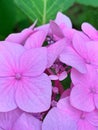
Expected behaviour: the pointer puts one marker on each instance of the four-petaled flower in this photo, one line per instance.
(23, 82)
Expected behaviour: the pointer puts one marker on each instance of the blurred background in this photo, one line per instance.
(16, 15)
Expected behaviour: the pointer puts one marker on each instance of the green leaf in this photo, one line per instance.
(9, 16)
(43, 10)
(83, 13)
(88, 2)
(66, 82)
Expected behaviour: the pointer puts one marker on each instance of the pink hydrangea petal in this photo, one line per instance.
(69, 33)
(88, 122)
(36, 40)
(53, 77)
(62, 76)
(9, 58)
(89, 77)
(34, 61)
(90, 31)
(56, 30)
(92, 50)
(85, 125)
(27, 122)
(63, 19)
(44, 27)
(19, 37)
(77, 77)
(7, 119)
(92, 117)
(34, 94)
(81, 98)
(70, 57)
(66, 93)
(7, 93)
(79, 43)
(55, 50)
(96, 99)
(65, 105)
(87, 50)
(57, 120)
(89, 54)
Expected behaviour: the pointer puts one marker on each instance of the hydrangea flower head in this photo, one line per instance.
(29, 60)
(22, 80)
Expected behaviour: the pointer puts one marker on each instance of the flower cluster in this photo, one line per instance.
(33, 64)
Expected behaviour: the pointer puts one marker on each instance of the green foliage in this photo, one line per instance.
(43, 10)
(9, 16)
(83, 13)
(18, 14)
(66, 82)
(88, 2)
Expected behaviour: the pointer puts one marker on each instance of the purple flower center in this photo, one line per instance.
(18, 76)
(58, 67)
(50, 40)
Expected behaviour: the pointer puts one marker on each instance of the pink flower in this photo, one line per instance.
(84, 94)
(22, 81)
(82, 53)
(53, 53)
(83, 120)
(87, 49)
(17, 119)
(56, 43)
(70, 57)
(56, 119)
